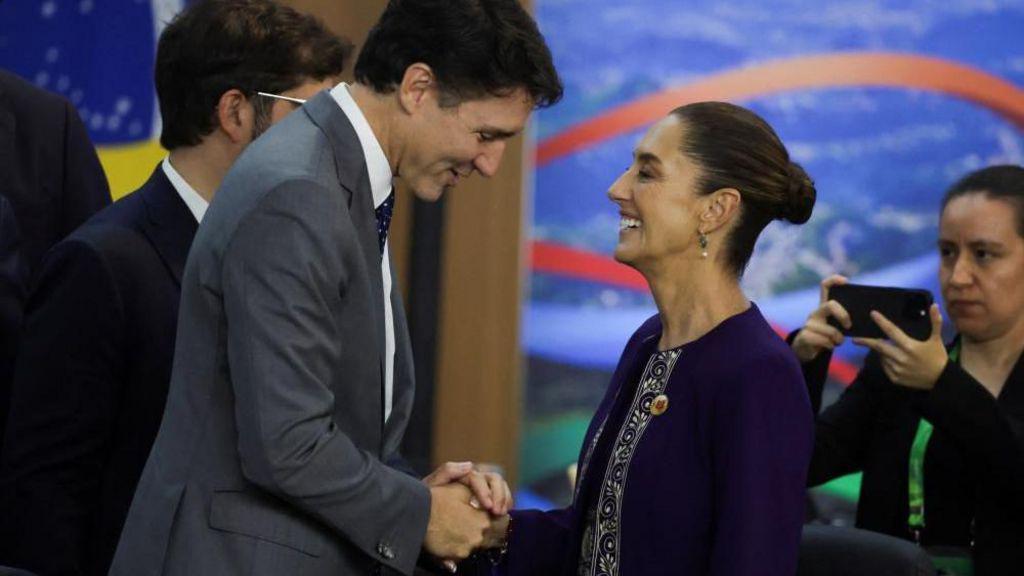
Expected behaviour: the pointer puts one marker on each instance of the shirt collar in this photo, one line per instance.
(197, 205)
(376, 162)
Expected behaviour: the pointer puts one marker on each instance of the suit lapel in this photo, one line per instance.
(350, 168)
(169, 225)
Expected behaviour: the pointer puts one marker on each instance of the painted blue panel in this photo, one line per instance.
(98, 54)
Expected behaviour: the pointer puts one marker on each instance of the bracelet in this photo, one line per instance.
(497, 555)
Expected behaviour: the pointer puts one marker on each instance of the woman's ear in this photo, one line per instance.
(720, 207)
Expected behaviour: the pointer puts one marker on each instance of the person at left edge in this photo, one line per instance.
(92, 374)
(51, 181)
(13, 285)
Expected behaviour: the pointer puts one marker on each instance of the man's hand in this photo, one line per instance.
(906, 361)
(490, 490)
(455, 528)
(817, 334)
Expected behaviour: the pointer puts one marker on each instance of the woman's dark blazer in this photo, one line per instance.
(714, 485)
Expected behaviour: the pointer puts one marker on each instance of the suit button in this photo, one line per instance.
(385, 551)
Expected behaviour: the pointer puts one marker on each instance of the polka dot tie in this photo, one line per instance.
(384, 218)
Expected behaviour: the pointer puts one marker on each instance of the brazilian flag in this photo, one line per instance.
(98, 54)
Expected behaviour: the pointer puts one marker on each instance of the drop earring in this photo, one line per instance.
(702, 241)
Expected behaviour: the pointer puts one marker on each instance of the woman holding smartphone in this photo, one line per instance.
(938, 429)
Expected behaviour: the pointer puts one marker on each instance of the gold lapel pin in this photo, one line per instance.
(659, 405)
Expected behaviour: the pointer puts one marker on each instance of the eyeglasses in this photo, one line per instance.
(296, 101)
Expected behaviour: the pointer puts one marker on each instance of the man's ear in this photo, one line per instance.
(720, 208)
(418, 85)
(235, 116)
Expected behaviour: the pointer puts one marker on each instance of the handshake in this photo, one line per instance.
(468, 512)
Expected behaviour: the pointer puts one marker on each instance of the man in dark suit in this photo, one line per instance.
(292, 382)
(92, 373)
(51, 181)
(13, 283)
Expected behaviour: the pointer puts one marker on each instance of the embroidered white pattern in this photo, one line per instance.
(599, 553)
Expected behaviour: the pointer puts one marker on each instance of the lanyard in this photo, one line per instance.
(917, 450)
(958, 563)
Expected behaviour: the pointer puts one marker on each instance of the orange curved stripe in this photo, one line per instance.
(877, 69)
(583, 265)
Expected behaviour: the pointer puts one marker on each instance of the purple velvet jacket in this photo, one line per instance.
(715, 484)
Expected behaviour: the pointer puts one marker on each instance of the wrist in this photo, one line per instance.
(497, 554)
(937, 373)
(804, 353)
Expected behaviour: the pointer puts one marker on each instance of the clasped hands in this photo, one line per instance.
(906, 361)
(468, 512)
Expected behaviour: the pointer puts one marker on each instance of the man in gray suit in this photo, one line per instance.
(292, 381)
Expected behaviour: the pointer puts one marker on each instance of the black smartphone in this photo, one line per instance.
(905, 307)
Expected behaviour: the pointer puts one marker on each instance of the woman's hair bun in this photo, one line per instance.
(800, 195)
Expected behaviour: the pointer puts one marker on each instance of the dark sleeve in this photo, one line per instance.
(13, 283)
(85, 189)
(843, 430)
(65, 392)
(397, 461)
(962, 408)
(762, 437)
(537, 544)
(815, 373)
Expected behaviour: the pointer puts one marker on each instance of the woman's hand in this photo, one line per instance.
(495, 536)
(817, 334)
(906, 361)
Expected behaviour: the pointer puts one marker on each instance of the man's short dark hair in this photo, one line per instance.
(476, 48)
(251, 45)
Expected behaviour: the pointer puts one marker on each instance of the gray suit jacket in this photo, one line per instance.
(269, 457)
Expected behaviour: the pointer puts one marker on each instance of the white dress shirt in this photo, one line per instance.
(380, 184)
(196, 203)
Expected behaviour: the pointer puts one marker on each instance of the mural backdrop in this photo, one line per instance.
(884, 103)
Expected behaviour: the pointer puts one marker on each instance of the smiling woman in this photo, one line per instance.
(696, 459)
(730, 159)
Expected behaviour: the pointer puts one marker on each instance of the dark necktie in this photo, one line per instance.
(384, 218)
